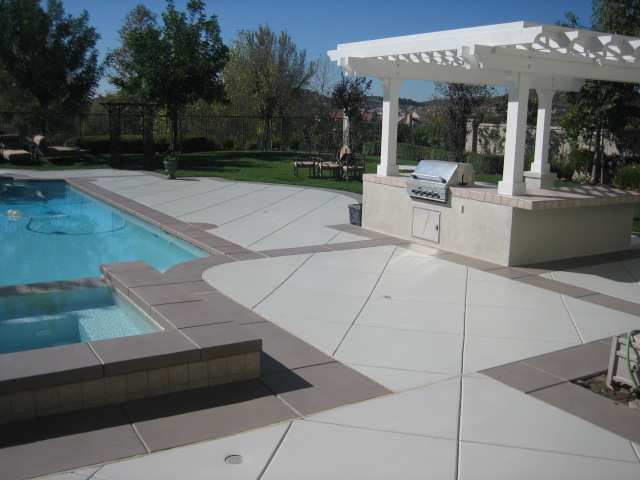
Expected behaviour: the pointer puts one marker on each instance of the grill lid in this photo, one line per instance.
(447, 173)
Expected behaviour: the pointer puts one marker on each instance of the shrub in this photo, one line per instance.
(221, 143)
(414, 153)
(95, 144)
(213, 144)
(371, 148)
(563, 167)
(195, 144)
(228, 143)
(484, 163)
(252, 145)
(294, 143)
(581, 159)
(628, 176)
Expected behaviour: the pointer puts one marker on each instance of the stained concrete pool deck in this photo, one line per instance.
(382, 358)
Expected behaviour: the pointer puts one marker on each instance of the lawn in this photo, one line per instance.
(255, 166)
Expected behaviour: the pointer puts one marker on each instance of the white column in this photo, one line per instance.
(513, 170)
(389, 141)
(540, 176)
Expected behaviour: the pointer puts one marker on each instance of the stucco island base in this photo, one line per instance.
(478, 222)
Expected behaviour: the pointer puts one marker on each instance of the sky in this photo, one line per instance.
(320, 25)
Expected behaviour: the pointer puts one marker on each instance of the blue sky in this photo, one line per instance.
(320, 25)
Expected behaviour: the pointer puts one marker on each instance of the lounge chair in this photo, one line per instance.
(12, 149)
(56, 150)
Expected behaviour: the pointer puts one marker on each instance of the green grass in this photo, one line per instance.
(263, 166)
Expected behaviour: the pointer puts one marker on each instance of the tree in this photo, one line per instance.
(49, 55)
(266, 75)
(464, 101)
(173, 64)
(120, 60)
(348, 95)
(616, 16)
(326, 75)
(600, 110)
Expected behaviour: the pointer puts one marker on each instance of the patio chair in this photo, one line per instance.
(328, 162)
(56, 150)
(12, 149)
(309, 163)
(352, 166)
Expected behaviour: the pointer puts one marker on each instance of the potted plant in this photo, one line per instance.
(170, 166)
(355, 214)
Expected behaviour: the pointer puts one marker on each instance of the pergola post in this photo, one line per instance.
(389, 141)
(513, 171)
(115, 112)
(540, 175)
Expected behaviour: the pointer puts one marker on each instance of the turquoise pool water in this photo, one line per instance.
(50, 231)
(30, 322)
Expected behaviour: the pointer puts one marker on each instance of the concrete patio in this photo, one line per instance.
(382, 358)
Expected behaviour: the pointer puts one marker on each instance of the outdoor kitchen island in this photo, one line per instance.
(477, 221)
(524, 220)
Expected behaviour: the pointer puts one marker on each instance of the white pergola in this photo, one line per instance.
(520, 56)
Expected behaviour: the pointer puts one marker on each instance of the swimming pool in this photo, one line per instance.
(52, 319)
(50, 231)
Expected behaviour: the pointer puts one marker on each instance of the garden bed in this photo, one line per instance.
(621, 396)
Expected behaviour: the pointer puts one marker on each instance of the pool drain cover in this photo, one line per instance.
(234, 459)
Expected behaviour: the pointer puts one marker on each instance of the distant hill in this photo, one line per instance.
(376, 101)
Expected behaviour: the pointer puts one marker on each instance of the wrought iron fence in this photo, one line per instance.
(241, 132)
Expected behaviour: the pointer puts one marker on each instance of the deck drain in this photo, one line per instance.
(234, 459)
(387, 296)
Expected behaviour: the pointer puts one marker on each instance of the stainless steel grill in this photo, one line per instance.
(432, 178)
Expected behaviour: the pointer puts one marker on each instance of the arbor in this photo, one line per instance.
(348, 95)
(173, 64)
(464, 101)
(266, 75)
(600, 110)
(49, 55)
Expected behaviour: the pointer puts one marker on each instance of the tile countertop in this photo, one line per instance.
(534, 199)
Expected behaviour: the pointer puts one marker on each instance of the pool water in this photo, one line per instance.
(29, 322)
(50, 231)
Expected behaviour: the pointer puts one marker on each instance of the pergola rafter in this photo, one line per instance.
(519, 56)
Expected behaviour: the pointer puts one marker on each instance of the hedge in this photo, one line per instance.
(134, 143)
